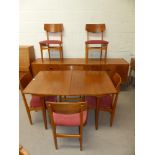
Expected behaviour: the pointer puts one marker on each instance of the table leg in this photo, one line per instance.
(97, 113)
(44, 112)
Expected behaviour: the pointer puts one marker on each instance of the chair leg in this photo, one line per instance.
(29, 116)
(61, 52)
(96, 119)
(101, 53)
(111, 118)
(80, 139)
(106, 52)
(49, 56)
(27, 108)
(41, 50)
(54, 137)
(86, 50)
(97, 113)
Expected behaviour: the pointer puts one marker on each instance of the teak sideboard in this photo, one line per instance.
(110, 65)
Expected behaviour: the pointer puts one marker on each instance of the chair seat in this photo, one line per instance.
(36, 101)
(51, 98)
(97, 42)
(48, 42)
(69, 119)
(91, 101)
(104, 102)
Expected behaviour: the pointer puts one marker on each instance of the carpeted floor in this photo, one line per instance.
(116, 140)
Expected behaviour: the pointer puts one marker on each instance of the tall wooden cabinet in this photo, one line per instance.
(26, 56)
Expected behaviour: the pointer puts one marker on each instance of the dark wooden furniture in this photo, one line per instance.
(67, 114)
(99, 44)
(110, 65)
(26, 56)
(107, 102)
(51, 43)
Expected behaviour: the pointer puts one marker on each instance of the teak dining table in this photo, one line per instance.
(71, 83)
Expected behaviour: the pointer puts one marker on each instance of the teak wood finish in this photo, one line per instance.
(51, 44)
(26, 56)
(116, 79)
(71, 83)
(110, 65)
(24, 81)
(98, 29)
(66, 108)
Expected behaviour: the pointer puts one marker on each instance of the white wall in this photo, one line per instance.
(118, 15)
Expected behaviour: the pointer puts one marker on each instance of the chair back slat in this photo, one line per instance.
(25, 80)
(67, 107)
(95, 28)
(53, 28)
(116, 79)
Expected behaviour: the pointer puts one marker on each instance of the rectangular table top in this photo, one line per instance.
(71, 82)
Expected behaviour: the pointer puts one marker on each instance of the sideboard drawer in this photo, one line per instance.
(92, 67)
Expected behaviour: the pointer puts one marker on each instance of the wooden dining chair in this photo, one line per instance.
(96, 44)
(107, 102)
(51, 43)
(36, 102)
(72, 114)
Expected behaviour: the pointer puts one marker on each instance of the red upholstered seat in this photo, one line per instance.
(51, 98)
(36, 102)
(91, 101)
(69, 119)
(104, 102)
(97, 42)
(47, 42)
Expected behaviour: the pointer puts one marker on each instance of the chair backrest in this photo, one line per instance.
(116, 79)
(24, 81)
(95, 28)
(66, 107)
(53, 28)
